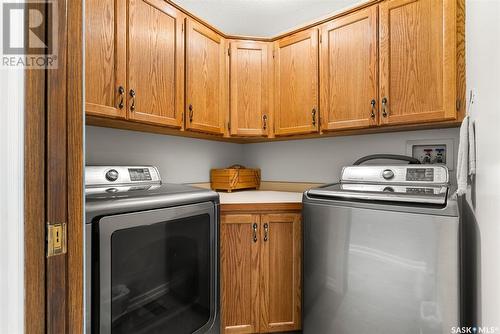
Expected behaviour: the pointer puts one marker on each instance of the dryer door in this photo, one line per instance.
(157, 271)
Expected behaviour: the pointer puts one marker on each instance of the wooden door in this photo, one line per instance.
(349, 78)
(205, 82)
(105, 58)
(239, 239)
(417, 61)
(296, 84)
(155, 63)
(249, 88)
(281, 263)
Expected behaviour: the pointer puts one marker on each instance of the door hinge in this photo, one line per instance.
(56, 239)
(274, 53)
(228, 126)
(229, 51)
(320, 38)
(459, 104)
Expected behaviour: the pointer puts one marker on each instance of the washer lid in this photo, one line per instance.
(408, 193)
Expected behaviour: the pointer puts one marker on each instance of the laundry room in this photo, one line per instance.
(251, 166)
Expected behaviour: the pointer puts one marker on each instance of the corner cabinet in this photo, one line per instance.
(296, 84)
(261, 254)
(206, 84)
(349, 71)
(418, 59)
(250, 89)
(386, 65)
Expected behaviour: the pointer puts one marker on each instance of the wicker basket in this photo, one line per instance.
(234, 178)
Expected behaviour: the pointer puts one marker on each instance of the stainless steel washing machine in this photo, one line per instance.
(151, 254)
(381, 252)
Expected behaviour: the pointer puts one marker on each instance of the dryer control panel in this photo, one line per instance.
(418, 174)
(106, 176)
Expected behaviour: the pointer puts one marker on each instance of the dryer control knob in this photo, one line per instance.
(112, 175)
(387, 174)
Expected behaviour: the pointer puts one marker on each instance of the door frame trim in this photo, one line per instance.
(54, 141)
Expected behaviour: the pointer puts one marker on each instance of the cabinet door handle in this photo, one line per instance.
(266, 231)
(190, 112)
(384, 107)
(264, 122)
(373, 102)
(132, 95)
(254, 226)
(313, 112)
(121, 91)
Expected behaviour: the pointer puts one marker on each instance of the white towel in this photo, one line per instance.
(466, 162)
(472, 148)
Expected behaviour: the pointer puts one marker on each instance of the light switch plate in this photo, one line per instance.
(416, 149)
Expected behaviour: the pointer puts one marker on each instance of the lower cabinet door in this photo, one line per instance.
(239, 239)
(281, 257)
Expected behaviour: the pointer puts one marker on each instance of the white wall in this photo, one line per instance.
(12, 193)
(11, 202)
(321, 160)
(483, 74)
(187, 160)
(180, 160)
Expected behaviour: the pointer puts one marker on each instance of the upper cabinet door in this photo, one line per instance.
(250, 89)
(296, 84)
(155, 63)
(281, 261)
(349, 79)
(105, 58)
(205, 79)
(417, 61)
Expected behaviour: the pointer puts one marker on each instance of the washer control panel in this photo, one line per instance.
(420, 174)
(396, 174)
(105, 176)
(139, 174)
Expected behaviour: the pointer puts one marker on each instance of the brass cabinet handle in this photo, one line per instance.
(264, 122)
(266, 231)
(132, 95)
(121, 91)
(314, 116)
(373, 102)
(254, 226)
(190, 112)
(384, 107)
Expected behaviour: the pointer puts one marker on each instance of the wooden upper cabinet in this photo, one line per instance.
(296, 84)
(105, 58)
(240, 273)
(348, 66)
(417, 61)
(206, 85)
(155, 63)
(281, 255)
(249, 88)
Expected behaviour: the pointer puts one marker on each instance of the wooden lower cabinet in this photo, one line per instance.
(261, 265)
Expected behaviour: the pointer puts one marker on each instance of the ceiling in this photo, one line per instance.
(262, 18)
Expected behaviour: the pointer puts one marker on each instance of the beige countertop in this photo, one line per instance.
(260, 196)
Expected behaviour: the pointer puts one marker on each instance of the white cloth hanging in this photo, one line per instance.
(466, 162)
